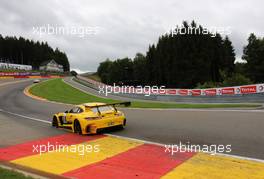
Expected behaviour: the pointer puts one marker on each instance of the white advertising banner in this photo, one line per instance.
(15, 66)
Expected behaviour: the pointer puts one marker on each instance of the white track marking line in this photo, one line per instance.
(19, 115)
(134, 139)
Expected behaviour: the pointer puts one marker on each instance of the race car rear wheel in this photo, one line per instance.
(124, 122)
(123, 125)
(77, 127)
(55, 122)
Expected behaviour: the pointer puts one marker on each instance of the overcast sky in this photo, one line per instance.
(121, 28)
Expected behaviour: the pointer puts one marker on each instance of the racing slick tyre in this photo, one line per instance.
(124, 122)
(77, 127)
(55, 122)
(123, 125)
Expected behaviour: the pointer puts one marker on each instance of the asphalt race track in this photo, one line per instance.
(242, 129)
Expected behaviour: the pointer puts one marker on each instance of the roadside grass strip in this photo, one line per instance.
(58, 91)
(127, 158)
(6, 174)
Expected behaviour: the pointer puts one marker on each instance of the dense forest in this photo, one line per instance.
(27, 52)
(187, 61)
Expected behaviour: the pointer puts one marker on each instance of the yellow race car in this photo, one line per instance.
(89, 118)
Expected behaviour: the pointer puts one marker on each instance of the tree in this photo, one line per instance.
(121, 71)
(104, 70)
(228, 63)
(236, 80)
(139, 69)
(254, 56)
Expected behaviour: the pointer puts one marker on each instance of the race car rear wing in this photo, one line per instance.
(126, 104)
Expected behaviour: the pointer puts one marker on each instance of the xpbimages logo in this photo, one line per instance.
(73, 30)
(146, 90)
(187, 147)
(212, 31)
(81, 149)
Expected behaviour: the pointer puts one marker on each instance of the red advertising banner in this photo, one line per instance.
(210, 92)
(196, 92)
(21, 76)
(183, 92)
(228, 91)
(248, 89)
(171, 91)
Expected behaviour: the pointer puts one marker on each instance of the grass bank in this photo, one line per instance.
(57, 90)
(7, 174)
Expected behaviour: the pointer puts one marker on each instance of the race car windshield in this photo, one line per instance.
(102, 109)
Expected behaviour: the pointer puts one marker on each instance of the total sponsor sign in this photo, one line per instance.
(248, 89)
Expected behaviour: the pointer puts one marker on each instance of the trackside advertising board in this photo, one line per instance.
(234, 90)
(26, 75)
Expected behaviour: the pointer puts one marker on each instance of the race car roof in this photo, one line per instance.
(93, 104)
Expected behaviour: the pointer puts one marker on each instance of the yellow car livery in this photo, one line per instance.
(89, 118)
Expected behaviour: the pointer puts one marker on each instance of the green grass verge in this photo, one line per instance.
(57, 90)
(10, 174)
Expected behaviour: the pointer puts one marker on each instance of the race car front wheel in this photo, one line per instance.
(55, 122)
(77, 127)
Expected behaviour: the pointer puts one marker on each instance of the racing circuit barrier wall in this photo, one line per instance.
(236, 94)
(4, 75)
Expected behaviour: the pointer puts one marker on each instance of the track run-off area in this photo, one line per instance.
(138, 151)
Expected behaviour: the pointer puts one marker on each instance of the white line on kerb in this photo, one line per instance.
(134, 139)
